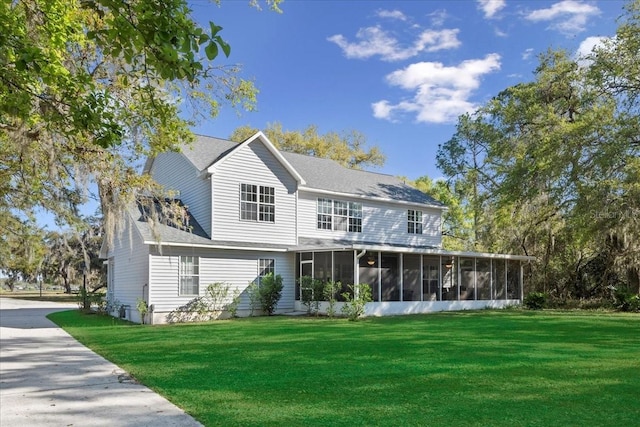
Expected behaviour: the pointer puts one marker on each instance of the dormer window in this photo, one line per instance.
(257, 203)
(414, 221)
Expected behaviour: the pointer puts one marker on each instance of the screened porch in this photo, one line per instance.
(400, 277)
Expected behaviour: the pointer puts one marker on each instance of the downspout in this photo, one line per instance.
(357, 272)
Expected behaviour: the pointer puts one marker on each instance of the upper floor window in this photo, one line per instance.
(189, 275)
(257, 203)
(414, 221)
(339, 215)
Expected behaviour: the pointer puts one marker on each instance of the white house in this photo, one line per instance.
(255, 210)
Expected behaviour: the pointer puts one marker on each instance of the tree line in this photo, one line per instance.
(551, 168)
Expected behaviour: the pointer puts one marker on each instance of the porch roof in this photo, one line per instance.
(318, 245)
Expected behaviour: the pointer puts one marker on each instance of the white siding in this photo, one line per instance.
(236, 268)
(175, 172)
(253, 164)
(381, 222)
(131, 270)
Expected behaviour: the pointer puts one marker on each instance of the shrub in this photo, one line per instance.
(143, 309)
(311, 293)
(217, 296)
(356, 297)
(624, 300)
(254, 297)
(535, 300)
(306, 291)
(270, 291)
(331, 295)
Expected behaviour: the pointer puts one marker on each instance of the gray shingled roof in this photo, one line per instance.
(170, 234)
(320, 174)
(326, 174)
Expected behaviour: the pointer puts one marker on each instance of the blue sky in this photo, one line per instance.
(400, 72)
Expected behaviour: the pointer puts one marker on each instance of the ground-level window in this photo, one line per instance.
(339, 215)
(189, 275)
(266, 266)
(414, 221)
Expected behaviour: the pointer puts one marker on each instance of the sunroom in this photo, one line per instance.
(417, 280)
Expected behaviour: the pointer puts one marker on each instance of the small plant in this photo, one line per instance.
(143, 308)
(232, 307)
(356, 297)
(311, 293)
(254, 297)
(111, 304)
(270, 291)
(331, 290)
(306, 292)
(217, 295)
(535, 301)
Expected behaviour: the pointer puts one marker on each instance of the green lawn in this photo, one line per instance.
(484, 368)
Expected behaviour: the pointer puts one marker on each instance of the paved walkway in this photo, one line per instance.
(47, 378)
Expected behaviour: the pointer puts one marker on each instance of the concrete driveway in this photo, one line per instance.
(47, 378)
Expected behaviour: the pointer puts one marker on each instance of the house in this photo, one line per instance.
(255, 210)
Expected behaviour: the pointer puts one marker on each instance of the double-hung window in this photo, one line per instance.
(257, 203)
(325, 217)
(189, 275)
(414, 221)
(339, 215)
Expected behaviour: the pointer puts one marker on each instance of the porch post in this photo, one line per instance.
(521, 282)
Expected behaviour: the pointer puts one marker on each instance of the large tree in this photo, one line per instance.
(349, 149)
(87, 88)
(557, 173)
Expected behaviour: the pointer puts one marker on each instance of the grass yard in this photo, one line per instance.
(484, 368)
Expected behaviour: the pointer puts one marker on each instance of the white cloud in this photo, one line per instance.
(586, 48)
(568, 16)
(441, 93)
(491, 7)
(374, 41)
(527, 54)
(438, 17)
(392, 14)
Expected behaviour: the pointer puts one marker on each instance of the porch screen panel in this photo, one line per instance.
(513, 279)
(411, 277)
(389, 278)
(449, 279)
(368, 270)
(467, 279)
(322, 266)
(499, 284)
(483, 278)
(430, 278)
(343, 270)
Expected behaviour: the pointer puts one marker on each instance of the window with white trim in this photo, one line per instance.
(189, 275)
(339, 215)
(266, 266)
(414, 221)
(257, 203)
(325, 209)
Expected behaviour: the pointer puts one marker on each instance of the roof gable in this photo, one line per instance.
(259, 136)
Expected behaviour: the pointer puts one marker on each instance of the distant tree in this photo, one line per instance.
(348, 149)
(457, 227)
(73, 256)
(22, 250)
